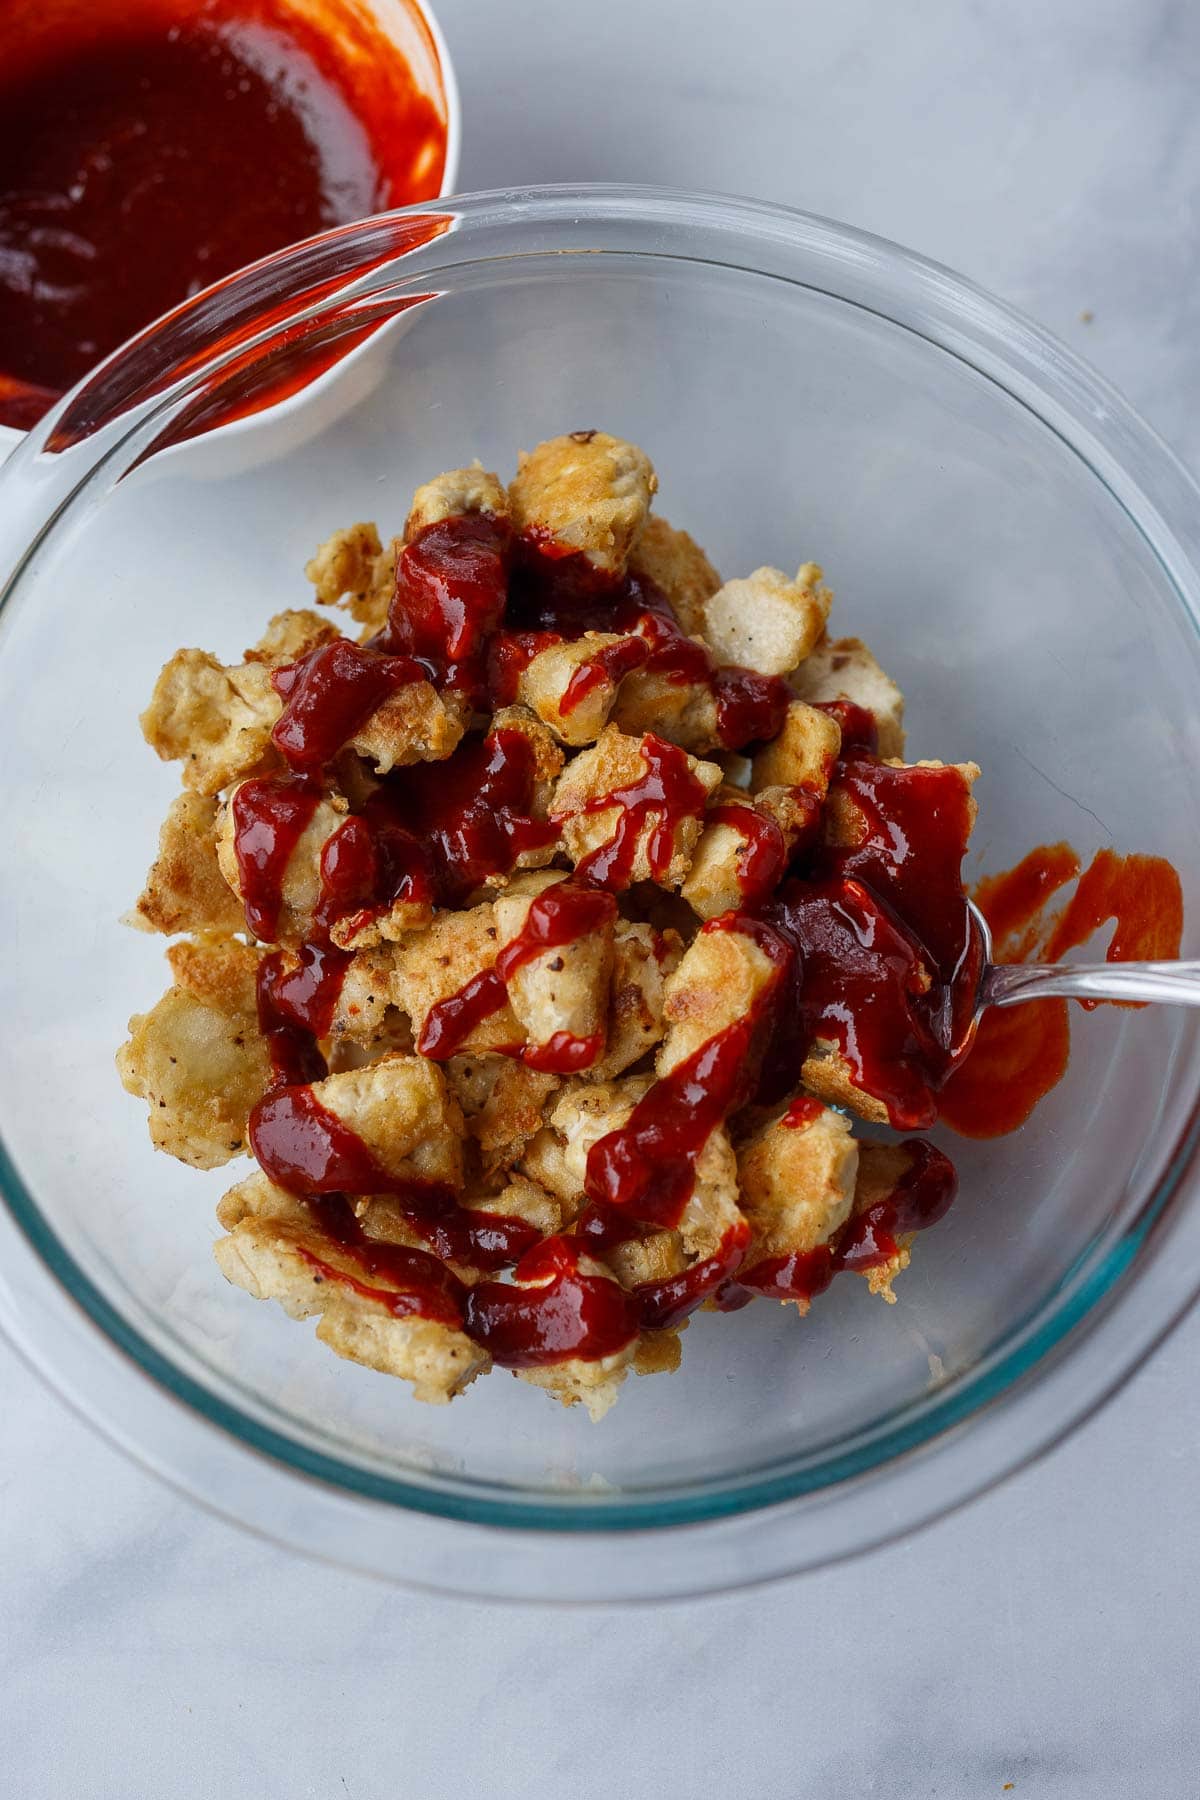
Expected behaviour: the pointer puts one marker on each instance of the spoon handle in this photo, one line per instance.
(1178, 983)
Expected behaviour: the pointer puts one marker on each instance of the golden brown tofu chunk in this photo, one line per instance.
(767, 622)
(681, 712)
(185, 889)
(642, 840)
(503, 1103)
(562, 990)
(197, 1057)
(404, 1112)
(677, 566)
(353, 569)
(435, 965)
(827, 1072)
(723, 977)
(291, 635)
(450, 496)
(414, 724)
(844, 669)
(802, 755)
(591, 1383)
(276, 1250)
(797, 1175)
(215, 721)
(300, 886)
(881, 1169)
(588, 492)
(572, 687)
(643, 958)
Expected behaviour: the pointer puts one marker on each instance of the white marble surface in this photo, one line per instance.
(1045, 1636)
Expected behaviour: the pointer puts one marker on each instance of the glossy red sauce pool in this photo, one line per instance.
(149, 148)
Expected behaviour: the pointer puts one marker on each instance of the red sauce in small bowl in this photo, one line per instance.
(150, 147)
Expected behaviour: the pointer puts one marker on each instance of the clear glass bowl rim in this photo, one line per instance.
(1136, 1274)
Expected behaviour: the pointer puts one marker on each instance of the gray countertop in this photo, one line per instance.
(1043, 1637)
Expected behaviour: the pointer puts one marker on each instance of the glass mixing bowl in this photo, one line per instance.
(1016, 546)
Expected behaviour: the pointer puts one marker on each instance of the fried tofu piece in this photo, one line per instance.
(291, 635)
(545, 1160)
(677, 566)
(436, 964)
(593, 1383)
(587, 491)
(503, 1103)
(450, 496)
(844, 824)
(364, 1007)
(616, 763)
(682, 712)
(565, 988)
(185, 889)
(655, 1257)
(216, 721)
(643, 958)
(404, 1112)
(517, 1197)
(275, 1250)
(300, 887)
(545, 684)
(197, 1057)
(353, 569)
(767, 622)
(827, 1072)
(844, 669)
(803, 753)
(414, 724)
(724, 976)
(797, 1184)
(548, 762)
(881, 1168)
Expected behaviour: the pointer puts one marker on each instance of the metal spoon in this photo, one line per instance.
(1007, 984)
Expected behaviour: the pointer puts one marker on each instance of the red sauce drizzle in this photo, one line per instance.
(803, 1111)
(764, 854)
(750, 707)
(572, 1315)
(270, 814)
(859, 728)
(450, 598)
(868, 1239)
(329, 694)
(611, 664)
(666, 1303)
(296, 1001)
(417, 1282)
(666, 794)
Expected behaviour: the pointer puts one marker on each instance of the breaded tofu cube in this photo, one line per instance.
(276, 1250)
(844, 824)
(404, 1112)
(437, 964)
(593, 1383)
(545, 1160)
(565, 988)
(802, 755)
(881, 1168)
(414, 724)
(655, 1257)
(642, 960)
(572, 686)
(623, 767)
(766, 622)
(725, 867)
(185, 889)
(827, 1072)
(291, 635)
(724, 976)
(678, 567)
(548, 761)
(844, 669)
(216, 721)
(364, 1006)
(587, 491)
(503, 1103)
(352, 568)
(453, 494)
(682, 712)
(197, 1057)
(796, 1175)
(300, 887)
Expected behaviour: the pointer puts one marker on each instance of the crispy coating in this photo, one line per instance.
(723, 976)
(682, 712)
(642, 960)
(185, 889)
(449, 496)
(767, 622)
(880, 1169)
(197, 1057)
(543, 685)
(587, 491)
(353, 569)
(414, 724)
(564, 989)
(677, 565)
(614, 762)
(291, 635)
(404, 1112)
(300, 888)
(593, 1384)
(216, 721)
(435, 964)
(802, 755)
(826, 1072)
(655, 1257)
(844, 669)
(364, 1007)
(269, 1234)
(716, 881)
(503, 1103)
(797, 1184)
(547, 766)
